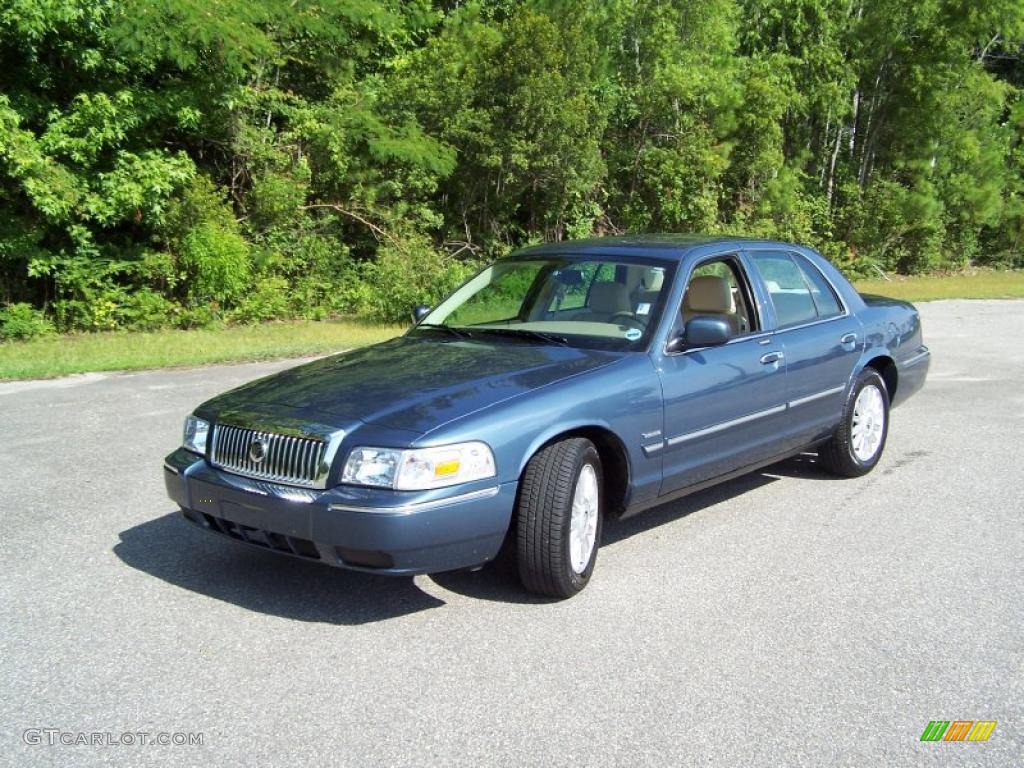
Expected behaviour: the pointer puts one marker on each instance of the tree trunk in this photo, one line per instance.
(832, 166)
(853, 121)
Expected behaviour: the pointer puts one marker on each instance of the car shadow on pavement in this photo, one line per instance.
(495, 582)
(500, 583)
(618, 530)
(803, 466)
(170, 549)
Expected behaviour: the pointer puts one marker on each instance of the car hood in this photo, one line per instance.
(412, 383)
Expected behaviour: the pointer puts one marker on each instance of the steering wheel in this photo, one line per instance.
(627, 318)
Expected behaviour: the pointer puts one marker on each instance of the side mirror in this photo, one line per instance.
(706, 331)
(701, 331)
(419, 312)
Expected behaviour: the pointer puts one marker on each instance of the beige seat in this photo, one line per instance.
(606, 299)
(711, 296)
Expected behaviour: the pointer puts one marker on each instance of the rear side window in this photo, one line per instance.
(788, 288)
(800, 293)
(824, 297)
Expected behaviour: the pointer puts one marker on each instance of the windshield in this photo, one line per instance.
(565, 300)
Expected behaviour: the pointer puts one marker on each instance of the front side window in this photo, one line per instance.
(717, 289)
(572, 300)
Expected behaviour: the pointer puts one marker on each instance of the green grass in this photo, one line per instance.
(122, 351)
(125, 351)
(980, 284)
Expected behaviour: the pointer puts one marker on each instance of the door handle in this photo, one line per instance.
(849, 338)
(772, 357)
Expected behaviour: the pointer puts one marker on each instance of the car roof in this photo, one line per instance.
(667, 246)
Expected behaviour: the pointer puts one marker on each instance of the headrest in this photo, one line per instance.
(709, 293)
(653, 279)
(609, 298)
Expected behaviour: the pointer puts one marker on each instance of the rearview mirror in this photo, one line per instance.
(569, 278)
(419, 313)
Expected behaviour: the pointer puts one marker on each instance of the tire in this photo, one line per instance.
(858, 442)
(556, 477)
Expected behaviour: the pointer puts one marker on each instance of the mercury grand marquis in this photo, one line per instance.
(560, 385)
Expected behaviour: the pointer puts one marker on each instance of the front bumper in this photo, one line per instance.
(366, 529)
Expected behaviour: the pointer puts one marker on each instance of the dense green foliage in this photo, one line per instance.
(187, 162)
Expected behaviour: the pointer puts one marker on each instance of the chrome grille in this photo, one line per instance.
(290, 460)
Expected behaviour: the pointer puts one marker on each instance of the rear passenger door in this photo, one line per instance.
(819, 337)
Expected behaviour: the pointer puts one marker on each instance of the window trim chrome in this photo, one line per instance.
(820, 321)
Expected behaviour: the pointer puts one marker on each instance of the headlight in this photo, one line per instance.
(419, 469)
(196, 430)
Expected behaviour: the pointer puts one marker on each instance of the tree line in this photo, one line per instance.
(190, 162)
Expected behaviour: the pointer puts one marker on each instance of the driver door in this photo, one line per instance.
(724, 405)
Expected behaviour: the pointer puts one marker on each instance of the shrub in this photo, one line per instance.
(213, 258)
(404, 275)
(198, 316)
(146, 310)
(217, 260)
(269, 300)
(22, 321)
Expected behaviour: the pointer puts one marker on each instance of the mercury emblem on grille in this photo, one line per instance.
(258, 449)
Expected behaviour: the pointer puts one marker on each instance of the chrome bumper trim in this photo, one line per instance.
(917, 358)
(418, 506)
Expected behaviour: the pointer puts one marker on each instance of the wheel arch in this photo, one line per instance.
(886, 368)
(615, 464)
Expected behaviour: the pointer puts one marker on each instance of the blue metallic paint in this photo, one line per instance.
(681, 421)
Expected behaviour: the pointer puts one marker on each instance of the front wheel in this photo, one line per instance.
(857, 444)
(559, 514)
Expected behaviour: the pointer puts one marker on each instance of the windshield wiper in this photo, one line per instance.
(456, 332)
(526, 333)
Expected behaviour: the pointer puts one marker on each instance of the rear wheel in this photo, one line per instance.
(559, 516)
(858, 442)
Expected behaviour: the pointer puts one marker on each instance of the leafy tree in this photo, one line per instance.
(187, 162)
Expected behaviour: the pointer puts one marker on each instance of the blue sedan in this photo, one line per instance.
(560, 385)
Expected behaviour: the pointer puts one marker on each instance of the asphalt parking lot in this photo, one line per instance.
(786, 618)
